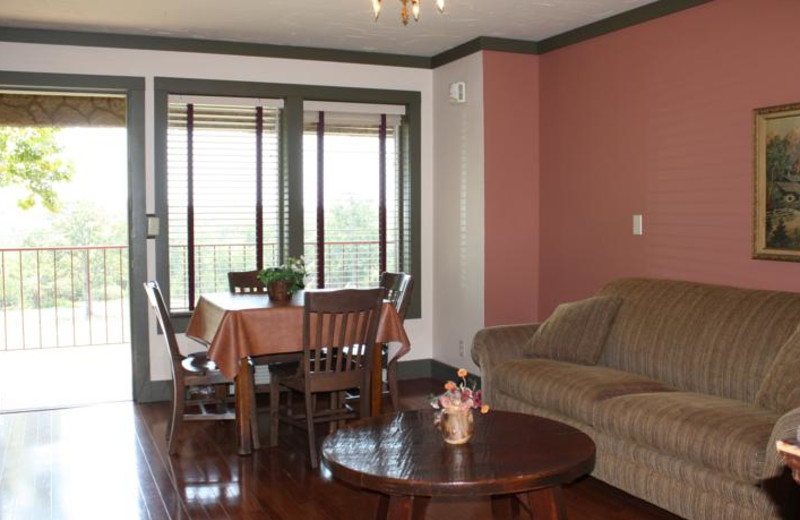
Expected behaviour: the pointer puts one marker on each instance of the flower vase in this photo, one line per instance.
(279, 291)
(456, 425)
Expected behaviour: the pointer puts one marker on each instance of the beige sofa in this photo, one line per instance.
(693, 385)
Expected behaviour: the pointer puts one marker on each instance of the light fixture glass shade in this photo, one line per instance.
(407, 10)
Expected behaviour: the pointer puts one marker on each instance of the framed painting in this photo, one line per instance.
(776, 219)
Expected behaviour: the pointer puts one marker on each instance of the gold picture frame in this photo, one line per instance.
(776, 209)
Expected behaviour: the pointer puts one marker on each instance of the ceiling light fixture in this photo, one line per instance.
(376, 9)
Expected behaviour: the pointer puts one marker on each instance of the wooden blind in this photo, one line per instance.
(353, 234)
(223, 194)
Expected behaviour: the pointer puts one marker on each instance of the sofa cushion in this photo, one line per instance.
(569, 389)
(575, 331)
(780, 390)
(726, 435)
(699, 338)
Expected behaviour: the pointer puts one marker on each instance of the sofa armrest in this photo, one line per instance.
(493, 345)
(786, 427)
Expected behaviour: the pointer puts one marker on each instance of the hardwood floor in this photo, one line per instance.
(110, 462)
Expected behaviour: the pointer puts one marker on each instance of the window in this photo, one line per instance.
(352, 180)
(238, 170)
(223, 192)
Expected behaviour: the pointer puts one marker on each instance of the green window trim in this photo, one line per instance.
(291, 152)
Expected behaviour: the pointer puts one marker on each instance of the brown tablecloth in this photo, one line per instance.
(240, 325)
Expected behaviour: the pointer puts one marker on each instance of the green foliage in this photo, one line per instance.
(81, 223)
(351, 264)
(29, 158)
(292, 272)
(351, 220)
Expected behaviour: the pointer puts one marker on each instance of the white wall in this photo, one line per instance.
(458, 212)
(21, 57)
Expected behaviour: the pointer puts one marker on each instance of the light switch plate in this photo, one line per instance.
(153, 225)
(637, 225)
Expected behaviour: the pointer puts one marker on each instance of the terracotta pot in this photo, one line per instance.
(279, 291)
(456, 426)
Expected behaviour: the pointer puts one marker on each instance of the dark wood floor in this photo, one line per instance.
(110, 462)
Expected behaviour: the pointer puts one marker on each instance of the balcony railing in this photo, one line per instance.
(54, 297)
(63, 296)
(347, 264)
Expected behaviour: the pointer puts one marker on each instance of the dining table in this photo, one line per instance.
(239, 326)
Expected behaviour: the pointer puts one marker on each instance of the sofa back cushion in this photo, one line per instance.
(780, 390)
(576, 331)
(699, 338)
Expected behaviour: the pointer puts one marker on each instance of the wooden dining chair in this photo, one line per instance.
(245, 282)
(192, 376)
(397, 287)
(339, 331)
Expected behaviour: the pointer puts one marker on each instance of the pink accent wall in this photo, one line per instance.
(654, 119)
(511, 181)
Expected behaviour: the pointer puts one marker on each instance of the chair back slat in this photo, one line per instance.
(341, 362)
(156, 299)
(398, 287)
(245, 282)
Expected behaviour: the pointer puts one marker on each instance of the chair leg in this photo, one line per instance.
(312, 441)
(274, 402)
(343, 406)
(221, 395)
(334, 405)
(391, 375)
(178, 406)
(364, 400)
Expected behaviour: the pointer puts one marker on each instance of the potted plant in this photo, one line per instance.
(284, 280)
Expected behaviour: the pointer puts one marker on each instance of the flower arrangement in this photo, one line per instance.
(460, 396)
(293, 273)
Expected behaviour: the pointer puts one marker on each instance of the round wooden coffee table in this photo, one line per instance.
(403, 457)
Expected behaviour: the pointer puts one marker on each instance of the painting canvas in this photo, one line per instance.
(777, 183)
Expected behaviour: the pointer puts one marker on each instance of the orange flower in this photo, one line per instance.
(462, 373)
(485, 408)
(449, 386)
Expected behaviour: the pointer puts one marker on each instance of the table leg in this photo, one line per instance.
(403, 507)
(376, 380)
(243, 407)
(547, 504)
(253, 411)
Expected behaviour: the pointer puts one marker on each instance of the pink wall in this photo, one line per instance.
(511, 180)
(654, 119)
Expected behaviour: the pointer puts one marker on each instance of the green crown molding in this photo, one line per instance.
(160, 43)
(617, 22)
(484, 43)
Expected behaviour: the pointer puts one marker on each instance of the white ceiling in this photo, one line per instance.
(333, 24)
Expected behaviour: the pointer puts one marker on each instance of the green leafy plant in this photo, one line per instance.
(293, 272)
(29, 157)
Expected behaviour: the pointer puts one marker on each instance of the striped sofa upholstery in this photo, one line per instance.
(693, 386)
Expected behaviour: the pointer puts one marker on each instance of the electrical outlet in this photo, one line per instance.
(461, 349)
